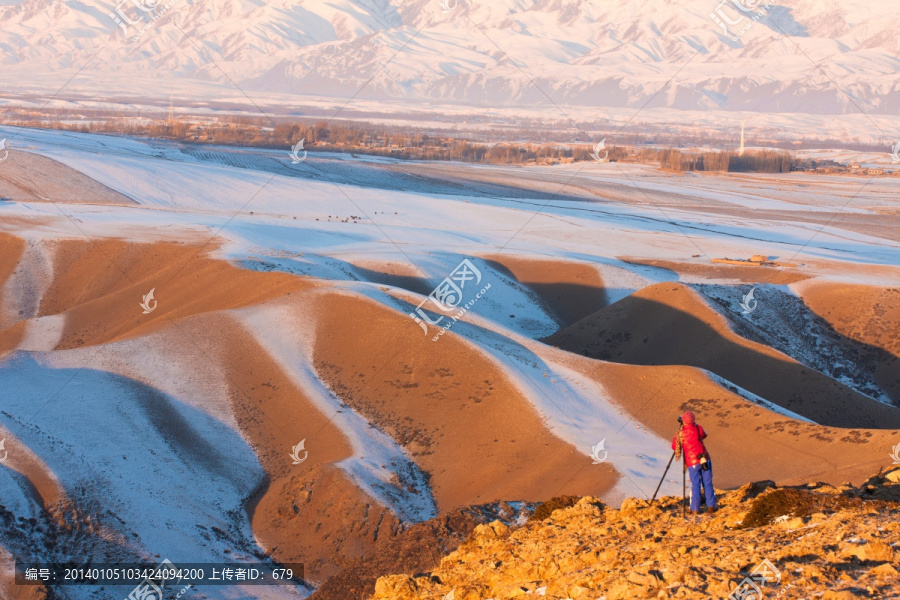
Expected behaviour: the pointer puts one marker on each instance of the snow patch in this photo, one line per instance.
(43, 333)
(380, 467)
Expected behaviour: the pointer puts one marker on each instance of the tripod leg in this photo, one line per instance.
(669, 464)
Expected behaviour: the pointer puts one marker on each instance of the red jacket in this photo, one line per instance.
(692, 436)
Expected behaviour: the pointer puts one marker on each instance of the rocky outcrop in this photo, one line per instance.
(419, 547)
(840, 541)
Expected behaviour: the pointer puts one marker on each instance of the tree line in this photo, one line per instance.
(389, 140)
(764, 161)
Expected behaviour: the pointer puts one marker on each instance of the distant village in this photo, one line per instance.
(832, 167)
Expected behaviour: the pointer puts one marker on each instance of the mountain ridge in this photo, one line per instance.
(831, 58)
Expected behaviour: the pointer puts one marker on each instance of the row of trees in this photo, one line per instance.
(765, 161)
(385, 140)
(506, 147)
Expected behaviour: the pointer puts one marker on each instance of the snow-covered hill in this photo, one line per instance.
(286, 312)
(796, 56)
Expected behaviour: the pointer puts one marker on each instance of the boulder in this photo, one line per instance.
(490, 531)
(398, 587)
(886, 570)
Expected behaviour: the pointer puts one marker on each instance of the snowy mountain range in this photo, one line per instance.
(794, 56)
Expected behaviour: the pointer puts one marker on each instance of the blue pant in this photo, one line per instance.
(699, 476)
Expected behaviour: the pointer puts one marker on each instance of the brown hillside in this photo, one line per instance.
(867, 314)
(572, 290)
(703, 268)
(99, 285)
(11, 249)
(456, 413)
(28, 177)
(669, 324)
(746, 442)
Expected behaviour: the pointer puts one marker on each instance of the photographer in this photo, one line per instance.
(689, 438)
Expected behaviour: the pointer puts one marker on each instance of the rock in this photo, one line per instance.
(842, 595)
(893, 476)
(644, 579)
(399, 587)
(609, 555)
(577, 592)
(885, 570)
(588, 508)
(813, 572)
(674, 574)
(877, 551)
(617, 592)
(752, 490)
(490, 531)
(718, 589)
(791, 524)
(624, 591)
(631, 504)
(735, 520)
(471, 593)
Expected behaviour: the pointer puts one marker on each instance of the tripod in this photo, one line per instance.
(683, 484)
(669, 464)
